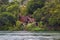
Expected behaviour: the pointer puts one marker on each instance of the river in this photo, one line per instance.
(24, 35)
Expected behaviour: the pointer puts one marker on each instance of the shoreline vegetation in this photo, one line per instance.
(31, 15)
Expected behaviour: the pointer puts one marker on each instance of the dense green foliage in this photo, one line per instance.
(8, 15)
(46, 13)
(34, 4)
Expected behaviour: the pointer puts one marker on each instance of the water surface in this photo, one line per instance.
(24, 35)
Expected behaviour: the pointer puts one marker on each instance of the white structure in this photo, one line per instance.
(10, 0)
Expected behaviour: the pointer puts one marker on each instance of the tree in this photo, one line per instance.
(4, 1)
(7, 18)
(32, 5)
(13, 7)
(49, 14)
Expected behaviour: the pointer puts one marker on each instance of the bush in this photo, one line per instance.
(32, 27)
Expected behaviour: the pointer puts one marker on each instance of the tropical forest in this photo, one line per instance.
(29, 15)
